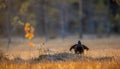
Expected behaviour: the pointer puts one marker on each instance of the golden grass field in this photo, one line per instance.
(62, 65)
(104, 53)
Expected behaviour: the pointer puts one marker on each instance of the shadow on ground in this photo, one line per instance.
(64, 57)
(69, 57)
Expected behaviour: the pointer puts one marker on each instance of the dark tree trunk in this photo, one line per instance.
(108, 30)
(40, 16)
(62, 18)
(8, 24)
(80, 19)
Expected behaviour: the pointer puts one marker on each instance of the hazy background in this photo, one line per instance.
(60, 18)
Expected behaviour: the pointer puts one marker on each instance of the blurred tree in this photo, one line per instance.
(63, 17)
(40, 16)
(114, 7)
(80, 18)
(59, 18)
(8, 25)
(2, 16)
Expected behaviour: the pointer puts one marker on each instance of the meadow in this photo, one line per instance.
(104, 53)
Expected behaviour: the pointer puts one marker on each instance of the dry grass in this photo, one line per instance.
(62, 65)
(104, 54)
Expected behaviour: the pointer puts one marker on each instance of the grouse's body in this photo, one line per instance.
(79, 48)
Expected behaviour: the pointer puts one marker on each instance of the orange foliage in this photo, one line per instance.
(29, 30)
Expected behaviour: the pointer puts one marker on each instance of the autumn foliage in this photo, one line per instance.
(29, 33)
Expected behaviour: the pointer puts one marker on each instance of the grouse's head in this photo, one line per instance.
(79, 42)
